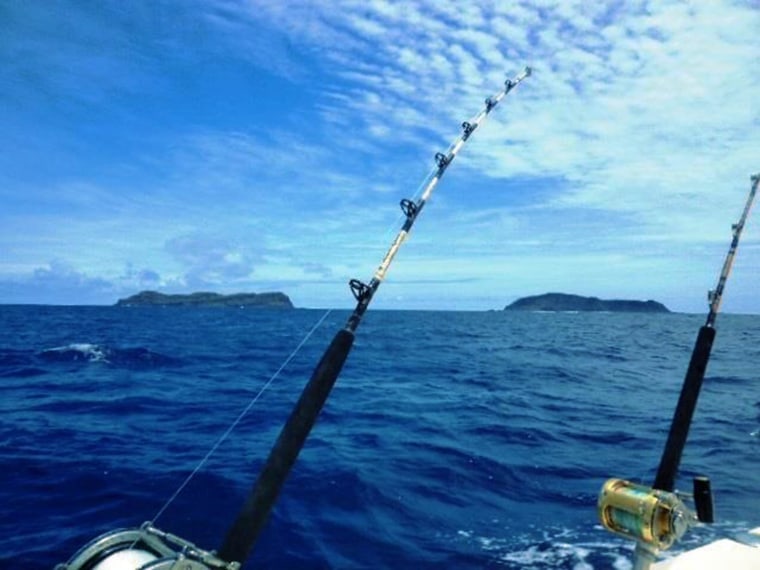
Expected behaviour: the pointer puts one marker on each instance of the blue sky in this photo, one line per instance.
(264, 145)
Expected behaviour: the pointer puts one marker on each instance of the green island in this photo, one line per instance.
(275, 300)
(566, 302)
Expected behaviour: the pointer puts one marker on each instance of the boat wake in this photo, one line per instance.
(559, 548)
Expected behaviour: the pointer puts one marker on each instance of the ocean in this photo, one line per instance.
(457, 440)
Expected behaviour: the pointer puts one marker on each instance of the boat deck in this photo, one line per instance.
(724, 553)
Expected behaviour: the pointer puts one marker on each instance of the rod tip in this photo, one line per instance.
(528, 71)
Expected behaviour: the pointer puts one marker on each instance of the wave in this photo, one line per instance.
(560, 548)
(21, 372)
(19, 364)
(28, 363)
(436, 453)
(86, 352)
(75, 353)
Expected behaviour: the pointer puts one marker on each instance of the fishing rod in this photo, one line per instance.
(148, 547)
(656, 517)
(245, 530)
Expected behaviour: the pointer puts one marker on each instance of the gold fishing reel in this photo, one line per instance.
(652, 517)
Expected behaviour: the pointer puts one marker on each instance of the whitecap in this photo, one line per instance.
(78, 351)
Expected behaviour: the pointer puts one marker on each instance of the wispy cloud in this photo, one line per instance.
(211, 260)
(57, 280)
(293, 124)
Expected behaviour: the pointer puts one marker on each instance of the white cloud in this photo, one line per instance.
(643, 114)
(212, 260)
(55, 280)
(642, 110)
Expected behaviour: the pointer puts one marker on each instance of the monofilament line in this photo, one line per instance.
(242, 414)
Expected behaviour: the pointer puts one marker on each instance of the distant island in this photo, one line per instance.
(274, 300)
(565, 302)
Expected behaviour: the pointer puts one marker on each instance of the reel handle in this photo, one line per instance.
(703, 499)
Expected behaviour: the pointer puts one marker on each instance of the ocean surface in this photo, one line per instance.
(456, 440)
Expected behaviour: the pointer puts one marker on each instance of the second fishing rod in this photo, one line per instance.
(250, 521)
(656, 517)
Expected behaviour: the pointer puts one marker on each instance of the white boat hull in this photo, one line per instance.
(723, 554)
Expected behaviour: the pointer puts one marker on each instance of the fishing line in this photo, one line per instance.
(240, 417)
(149, 546)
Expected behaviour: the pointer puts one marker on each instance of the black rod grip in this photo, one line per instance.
(687, 403)
(250, 521)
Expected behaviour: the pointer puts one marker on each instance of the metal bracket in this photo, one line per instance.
(468, 128)
(361, 291)
(408, 207)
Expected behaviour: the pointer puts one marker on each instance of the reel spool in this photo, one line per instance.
(146, 548)
(650, 516)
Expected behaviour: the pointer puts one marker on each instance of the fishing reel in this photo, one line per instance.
(144, 548)
(654, 518)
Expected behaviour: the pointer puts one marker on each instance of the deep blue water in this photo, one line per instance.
(452, 439)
